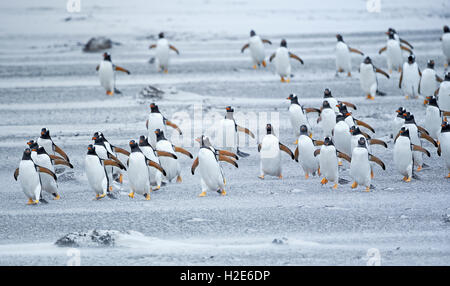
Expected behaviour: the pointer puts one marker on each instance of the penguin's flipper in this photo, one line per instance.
(117, 160)
(259, 147)
(241, 154)
(296, 154)
(349, 104)
(294, 56)
(114, 164)
(406, 49)
(366, 135)
(173, 125)
(316, 152)
(422, 130)
(228, 160)
(382, 72)
(152, 46)
(400, 80)
(47, 171)
(194, 166)
(244, 47)
(429, 139)
(406, 43)
(420, 149)
(344, 156)
(317, 142)
(362, 123)
(355, 51)
(245, 130)
(156, 166)
(16, 173)
(166, 154)
(228, 153)
(287, 150)
(383, 49)
(438, 152)
(265, 41)
(117, 68)
(97, 68)
(174, 49)
(61, 152)
(183, 151)
(311, 109)
(377, 160)
(378, 142)
(54, 157)
(121, 151)
(271, 57)
(438, 79)
(63, 162)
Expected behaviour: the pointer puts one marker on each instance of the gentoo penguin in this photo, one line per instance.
(403, 154)
(410, 78)
(342, 137)
(256, 46)
(397, 38)
(212, 178)
(138, 172)
(327, 119)
(304, 153)
(444, 145)
(169, 164)
(226, 133)
(152, 155)
(398, 122)
(50, 147)
(328, 162)
(269, 148)
(350, 120)
(106, 72)
(162, 52)
(429, 82)
(393, 52)
(433, 119)
(157, 121)
(28, 175)
(297, 114)
(95, 168)
(282, 64)
(360, 168)
(445, 39)
(443, 96)
(357, 133)
(343, 59)
(327, 96)
(368, 78)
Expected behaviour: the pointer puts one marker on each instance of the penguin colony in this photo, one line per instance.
(152, 160)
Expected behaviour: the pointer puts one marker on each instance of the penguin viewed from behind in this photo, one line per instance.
(304, 153)
(282, 63)
(393, 50)
(256, 46)
(433, 119)
(368, 78)
(343, 58)
(106, 72)
(162, 47)
(157, 121)
(445, 39)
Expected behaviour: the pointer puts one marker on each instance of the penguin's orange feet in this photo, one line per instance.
(340, 163)
(318, 171)
(288, 80)
(445, 65)
(203, 194)
(310, 135)
(280, 176)
(223, 193)
(131, 195)
(445, 119)
(157, 188)
(371, 174)
(30, 202)
(405, 178)
(264, 63)
(282, 79)
(110, 93)
(448, 176)
(408, 180)
(370, 97)
(296, 142)
(368, 189)
(110, 189)
(179, 180)
(56, 197)
(166, 71)
(349, 74)
(254, 67)
(306, 176)
(101, 196)
(147, 197)
(399, 69)
(354, 185)
(340, 70)
(324, 181)
(390, 71)
(419, 168)
(406, 96)
(261, 177)
(335, 186)
(121, 178)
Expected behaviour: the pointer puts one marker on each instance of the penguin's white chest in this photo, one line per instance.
(96, 174)
(210, 170)
(333, 102)
(297, 118)
(343, 59)
(170, 165)
(328, 121)
(443, 97)
(48, 183)
(101, 152)
(226, 136)
(367, 77)
(155, 121)
(444, 140)
(397, 124)
(403, 156)
(360, 167)
(270, 155)
(342, 138)
(328, 163)
(162, 53)
(394, 54)
(306, 149)
(282, 64)
(446, 45)
(29, 179)
(411, 79)
(433, 121)
(47, 144)
(256, 49)
(428, 83)
(138, 173)
(106, 75)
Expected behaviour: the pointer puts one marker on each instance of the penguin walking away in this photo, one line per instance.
(171, 165)
(445, 39)
(403, 154)
(282, 63)
(256, 46)
(163, 47)
(297, 115)
(443, 95)
(368, 78)
(304, 153)
(328, 162)
(106, 72)
(429, 82)
(343, 58)
(50, 147)
(157, 121)
(342, 138)
(398, 122)
(410, 78)
(95, 169)
(393, 52)
(327, 96)
(138, 174)
(433, 119)
(28, 176)
(269, 148)
(360, 168)
(211, 173)
(444, 145)
(327, 119)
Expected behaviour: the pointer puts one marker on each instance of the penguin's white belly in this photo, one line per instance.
(210, 171)
(282, 64)
(308, 161)
(270, 155)
(333, 102)
(162, 53)
(96, 174)
(367, 78)
(428, 83)
(444, 96)
(256, 49)
(47, 144)
(446, 45)
(101, 152)
(342, 138)
(297, 118)
(170, 165)
(411, 79)
(48, 183)
(394, 54)
(414, 136)
(354, 141)
(343, 60)
(403, 156)
(328, 121)
(106, 75)
(433, 121)
(29, 180)
(155, 121)
(397, 125)
(226, 134)
(360, 167)
(138, 173)
(350, 121)
(444, 140)
(328, 163)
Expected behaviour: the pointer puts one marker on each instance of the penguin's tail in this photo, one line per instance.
(380, 93)
(242, 154)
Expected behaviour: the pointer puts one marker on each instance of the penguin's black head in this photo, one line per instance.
(404, 132)
(134, 146)
(339, 38)
(159, 135)
(446, 29)
(391, 30)
(328, 141)
(447, 76)
(391, 35)
(106, 57)
(45, 133)
(327, 93)
(143, 141)
(340, 117)
(409, 118)
(283, 43)
(91, 150)
(269, 128)
(354, 130)
(432, 101)
(293, 98)
(367, 60)
(98, 137)
(252, 33)
(326, 104)
(362, 142)
(411, 59)
(32, 144)
(400, 111)
(303, 130)
(161, 35)
(430, 64)
(343, 109)
(154, 108)
(26, 154)
(229, 109)
(445, 127)
(40, 150)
